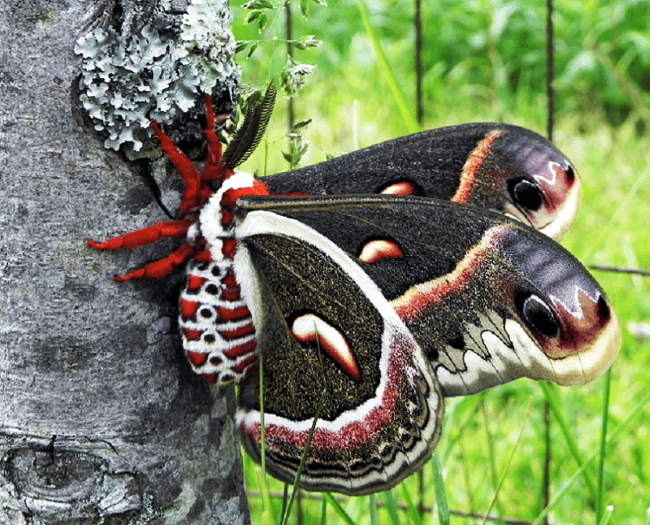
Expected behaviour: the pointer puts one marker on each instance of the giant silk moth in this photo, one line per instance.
(373, 285)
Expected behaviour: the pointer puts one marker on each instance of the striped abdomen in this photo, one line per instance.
(216, 324)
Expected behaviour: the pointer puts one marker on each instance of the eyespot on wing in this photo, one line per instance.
(567, 313)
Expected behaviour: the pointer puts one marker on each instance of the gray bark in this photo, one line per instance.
(101, 420)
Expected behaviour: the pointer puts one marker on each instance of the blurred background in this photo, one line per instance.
(484, 60)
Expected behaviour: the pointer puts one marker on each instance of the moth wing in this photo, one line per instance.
(487, 299)
(492, 165)
(334, 354)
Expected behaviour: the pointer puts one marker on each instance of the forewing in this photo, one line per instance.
(487, 298)
(334, 351)
(498, 166)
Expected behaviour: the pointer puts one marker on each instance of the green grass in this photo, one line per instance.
(599, 434)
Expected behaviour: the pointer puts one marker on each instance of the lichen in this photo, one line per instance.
(207, 37)
(127, 81)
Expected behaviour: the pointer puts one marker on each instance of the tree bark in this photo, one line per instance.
(101, 420)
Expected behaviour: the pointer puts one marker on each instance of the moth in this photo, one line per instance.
(364, 310)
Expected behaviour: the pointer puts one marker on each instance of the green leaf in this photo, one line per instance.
(301, 124)
(258, 4)
(252, 49)
(262, 21)
(252, 16)
(241, 45)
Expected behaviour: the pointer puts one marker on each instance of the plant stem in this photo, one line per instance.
(291, 117)
(550, 116)
(419, 111)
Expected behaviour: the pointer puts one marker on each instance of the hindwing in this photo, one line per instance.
(334, 351)
(486, 298)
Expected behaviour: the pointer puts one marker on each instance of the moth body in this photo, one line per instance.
(215, 315)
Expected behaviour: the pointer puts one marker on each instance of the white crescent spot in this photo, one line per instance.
(399, 188)
(310, 328)
(377, 250)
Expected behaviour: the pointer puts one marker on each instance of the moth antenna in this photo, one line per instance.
(249, 135)
(619, 269)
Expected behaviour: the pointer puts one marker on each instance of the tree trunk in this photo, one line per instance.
(101, 420)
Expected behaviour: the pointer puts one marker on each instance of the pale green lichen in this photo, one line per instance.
(206, 35)
(128, 81)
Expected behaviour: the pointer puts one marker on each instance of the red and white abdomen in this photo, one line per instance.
(217, 326)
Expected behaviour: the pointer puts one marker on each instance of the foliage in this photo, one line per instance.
(297, 145)
(293, 75)
(490, 52)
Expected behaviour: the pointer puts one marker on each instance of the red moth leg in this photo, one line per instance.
(185, 168)
(143, 236)
(214, 168)
(214, 146)
(162, 267)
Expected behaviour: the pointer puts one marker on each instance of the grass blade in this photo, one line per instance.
(264, 488)
(411, 508)
(391, 507)
(556, 410)
(372, 503)
(323, 512)
(337, 508)
(545, 495)
(603, 448)
(622, 426)
(491, 451)
(441, 497)
(560, 493)
(301, 466)
(490, 443)
(609, 510)
(410, 122)
(285, 500)
(310, 437)
(505, 471)
(458, 422)
(467, 471)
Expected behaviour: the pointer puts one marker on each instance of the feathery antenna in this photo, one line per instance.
(249, 135)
